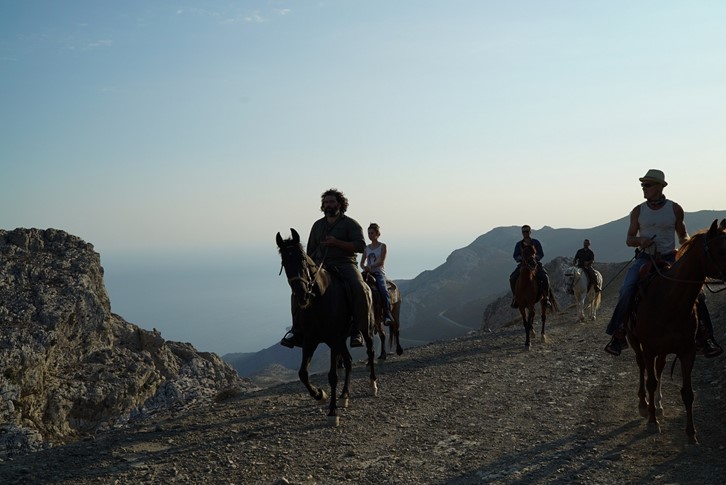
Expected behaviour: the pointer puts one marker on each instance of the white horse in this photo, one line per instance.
(587, 301)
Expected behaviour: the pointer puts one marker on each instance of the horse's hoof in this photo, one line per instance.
(323, 396)
(374, 389)
(343, 402)
(654, 428)
(693, 446)
(333, 421)
(544, 338)
(399, 351)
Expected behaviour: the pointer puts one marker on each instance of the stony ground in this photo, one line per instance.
(479, 409)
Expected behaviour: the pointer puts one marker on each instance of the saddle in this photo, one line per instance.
(646, 274)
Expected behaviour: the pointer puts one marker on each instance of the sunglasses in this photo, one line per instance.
(646, 186)
(525, 232)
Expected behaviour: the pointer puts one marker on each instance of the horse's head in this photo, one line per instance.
(298, 267)
(715, 242)
(529, 254)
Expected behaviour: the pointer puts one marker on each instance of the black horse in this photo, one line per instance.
(325, 312)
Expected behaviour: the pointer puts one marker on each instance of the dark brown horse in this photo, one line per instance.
(326, 317)
(379, 314)
(664, 321)
(527, 294)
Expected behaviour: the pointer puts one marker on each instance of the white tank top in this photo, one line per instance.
(373, 255)
(660, 223)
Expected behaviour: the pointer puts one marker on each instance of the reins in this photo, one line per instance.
(697, 282)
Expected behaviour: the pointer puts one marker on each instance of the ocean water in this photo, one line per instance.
(219, 303)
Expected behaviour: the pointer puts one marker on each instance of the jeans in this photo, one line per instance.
(383, 290)
(627, 291)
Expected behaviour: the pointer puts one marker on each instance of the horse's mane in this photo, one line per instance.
(297, 246)
(691, 241)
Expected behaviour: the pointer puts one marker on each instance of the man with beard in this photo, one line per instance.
(334, 240)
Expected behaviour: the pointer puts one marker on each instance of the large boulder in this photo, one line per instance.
(68, 365)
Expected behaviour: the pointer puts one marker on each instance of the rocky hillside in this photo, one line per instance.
(69, 367)
(447, 301)
(471, 410)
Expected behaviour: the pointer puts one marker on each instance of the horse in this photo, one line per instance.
(664, 320)
(527, 294)
(326, 318)
(379, 314)
(586, 298)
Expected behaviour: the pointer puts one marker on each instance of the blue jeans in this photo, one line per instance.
(627, 291)
(383, 290)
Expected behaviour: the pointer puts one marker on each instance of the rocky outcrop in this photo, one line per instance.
(68, 365)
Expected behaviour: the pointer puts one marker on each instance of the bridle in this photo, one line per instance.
(308, 278)
(706, 248)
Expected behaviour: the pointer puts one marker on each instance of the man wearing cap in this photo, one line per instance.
(653, 227)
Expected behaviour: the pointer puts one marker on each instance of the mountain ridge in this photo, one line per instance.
(475, 276)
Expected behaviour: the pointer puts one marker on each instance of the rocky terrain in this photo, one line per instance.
(69, 367)
(476, 409)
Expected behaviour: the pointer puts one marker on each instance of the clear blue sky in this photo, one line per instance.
(200, 125)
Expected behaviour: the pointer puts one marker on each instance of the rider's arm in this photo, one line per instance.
(538, 248)
(632, 239)
(680, 224)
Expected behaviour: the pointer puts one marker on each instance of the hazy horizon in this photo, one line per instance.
(208, 126)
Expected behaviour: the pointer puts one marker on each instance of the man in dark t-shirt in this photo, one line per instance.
(334, 240)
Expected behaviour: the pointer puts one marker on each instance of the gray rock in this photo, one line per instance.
(70, 367)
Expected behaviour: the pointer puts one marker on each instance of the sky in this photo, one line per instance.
(205, 127)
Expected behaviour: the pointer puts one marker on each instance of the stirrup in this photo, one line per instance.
(356, 340)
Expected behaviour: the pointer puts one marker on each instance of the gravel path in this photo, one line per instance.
(479, 409)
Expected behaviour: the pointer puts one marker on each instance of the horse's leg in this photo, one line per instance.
(651, 384)
(527, 327)
(396, 327)
(307, 354)
(687, 362)
(335, 354)
(642, 401)
(382, 335)
(544, 319)
(348, 365)
(371, 363)
(660, 363)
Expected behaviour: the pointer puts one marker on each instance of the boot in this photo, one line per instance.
(292, 339)
(711, 348)
(706, 343)
(617, 343)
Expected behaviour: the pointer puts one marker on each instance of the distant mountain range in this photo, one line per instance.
(449, 301)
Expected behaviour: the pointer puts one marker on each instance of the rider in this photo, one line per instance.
(334, 239)
(372, 261)
(542, 276)
(653, 226)
(584, 257)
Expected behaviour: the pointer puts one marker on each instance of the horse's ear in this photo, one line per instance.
(279, 240)
(295, 235)
(714, 227)
(722, 226)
